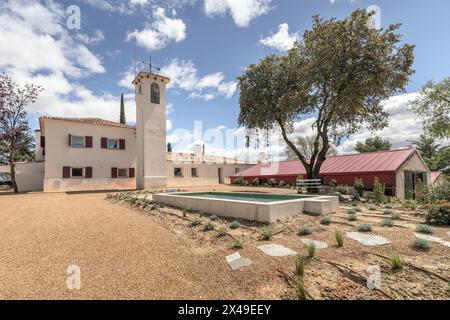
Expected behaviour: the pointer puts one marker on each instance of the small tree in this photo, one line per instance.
(373, 145)
(14, 128)
(359, 186)
(122, 110)
(339, 75)
(433, 106)
(379, 190)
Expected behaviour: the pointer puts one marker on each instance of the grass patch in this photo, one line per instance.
(339, 238)
(325, 221)
(352, 217)
(395, 215)
(387, 223)
(300, 290)
(311, 248)
(208, 227)
(420, 244)
(388, 206)
(396, 262)
(365, 227)
(388, 212)
(238, 244)
(351, 210)
(266, 233)
(372, 207)
(184, 213)
(222, 232)
(423, 228)
(304, 231)
(196, 223)
(300, 266)
(213, 218)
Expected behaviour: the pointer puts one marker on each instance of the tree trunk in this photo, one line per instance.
(12, 167)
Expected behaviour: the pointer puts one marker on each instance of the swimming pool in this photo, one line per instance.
(262, 207)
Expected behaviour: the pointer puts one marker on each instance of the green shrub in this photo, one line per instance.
(222, 232)
(325, 221)
(266, 233)
(208, 227)
(439, 191)
(388, 206)
(379, 190)
(396, 262)
(352, 217)
(213, 218)
(311, 248)
(359, 186)
(235, 225)
(413, 204)
(358, 209)
(201, 214)
(351, 211)
(196, 223)
(365, 227)
(395, 215)
(300, 266)
(387, 223)
(304, 231)
(184, 213)
(339, 238)
(420, 244)
(372, 207)
(423, 228)
(255, 182)
(439, 215)
(388, 212)
(354, 204)
(300, 290)
(237, 244)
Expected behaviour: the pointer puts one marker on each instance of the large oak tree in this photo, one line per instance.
(339, 74)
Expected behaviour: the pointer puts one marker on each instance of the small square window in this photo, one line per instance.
(237, 170)
(178, 172)
(123, 173)
(77, 172)
(77, 142)
(194, 172)
(113, 144)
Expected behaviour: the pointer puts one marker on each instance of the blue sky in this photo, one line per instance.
(203, 45)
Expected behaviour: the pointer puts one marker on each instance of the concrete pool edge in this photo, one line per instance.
(267, 212)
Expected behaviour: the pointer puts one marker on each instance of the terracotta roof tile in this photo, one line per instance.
(95, 121)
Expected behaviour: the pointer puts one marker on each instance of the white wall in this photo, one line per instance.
(29, 175)
(59, 154)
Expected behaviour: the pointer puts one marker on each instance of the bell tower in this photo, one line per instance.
(150, 93)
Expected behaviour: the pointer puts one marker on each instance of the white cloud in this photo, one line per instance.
(96, 38)
(160, 32)
(184, 75)
(242, 11)
(282, 40)
(35, 47)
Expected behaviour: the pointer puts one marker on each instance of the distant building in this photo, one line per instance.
(403, 171)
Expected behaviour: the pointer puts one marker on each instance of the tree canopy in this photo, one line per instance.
(122, 110)
(306, 147)
(373, 145)
(433, 106)
(339, 75)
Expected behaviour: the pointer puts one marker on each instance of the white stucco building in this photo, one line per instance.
(81, 154)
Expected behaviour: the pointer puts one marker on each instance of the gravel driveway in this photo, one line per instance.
(121, 254)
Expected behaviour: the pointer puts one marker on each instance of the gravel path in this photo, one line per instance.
(122, 254)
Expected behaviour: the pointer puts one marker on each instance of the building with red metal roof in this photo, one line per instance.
(403, 171)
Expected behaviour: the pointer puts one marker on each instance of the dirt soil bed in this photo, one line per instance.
(127, 252)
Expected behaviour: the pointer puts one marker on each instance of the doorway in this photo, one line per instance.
(220, 173)
(413, 184)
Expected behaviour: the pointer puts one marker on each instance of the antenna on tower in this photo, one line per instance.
(151, 65)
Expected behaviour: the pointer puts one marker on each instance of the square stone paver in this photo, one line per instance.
(368, 240)
(233, 257)
(318, 244)
(240, 263)
(277, 250)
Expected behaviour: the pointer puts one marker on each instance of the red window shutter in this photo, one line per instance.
(88, 173)
(114, 173)
(122, 144)
(131, 173)
(104, 143)
(66, 172)
(42, 142)
(70, 140)
(88, 142)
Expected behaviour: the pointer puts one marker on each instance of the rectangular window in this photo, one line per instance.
(123, 173)
(77, 142)
(113, 144)
(77, 172)
(178, 172)
(194, 172)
